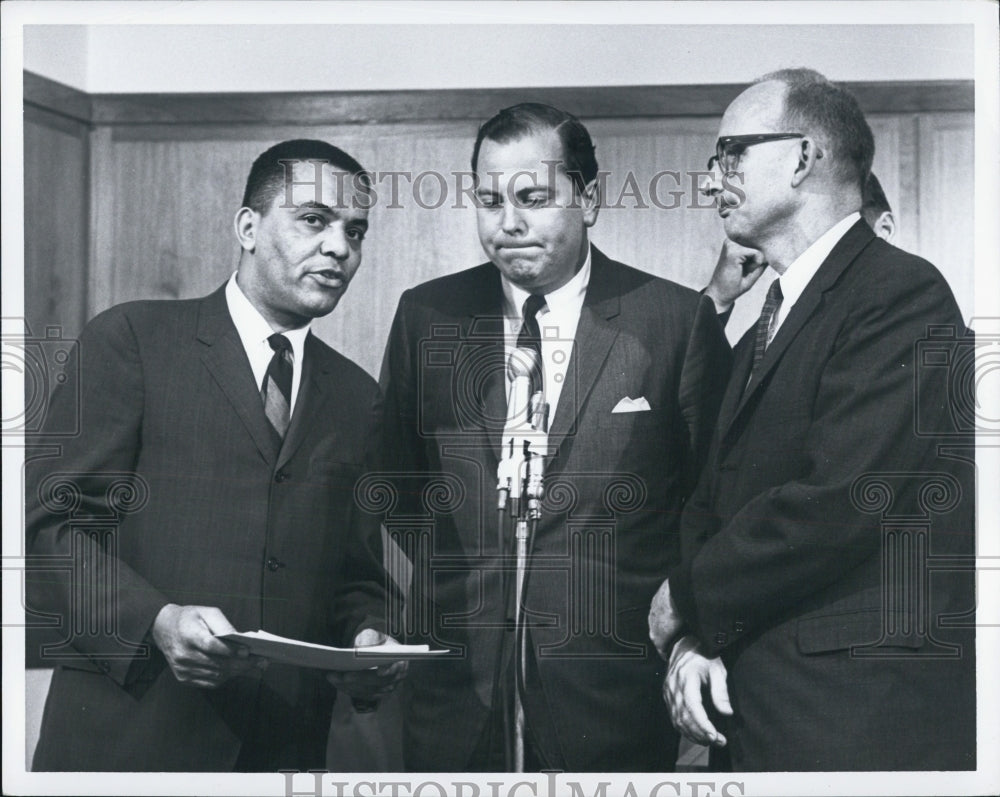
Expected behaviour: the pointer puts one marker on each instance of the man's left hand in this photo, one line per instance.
(689, 672)
(369, 685)
(664, 621)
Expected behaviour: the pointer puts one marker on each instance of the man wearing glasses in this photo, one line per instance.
(819, 479)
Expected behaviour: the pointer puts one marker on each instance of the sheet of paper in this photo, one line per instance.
(308, 654)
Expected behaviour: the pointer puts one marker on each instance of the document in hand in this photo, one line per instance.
(282, 650)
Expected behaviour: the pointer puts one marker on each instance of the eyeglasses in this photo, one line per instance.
(729, 149)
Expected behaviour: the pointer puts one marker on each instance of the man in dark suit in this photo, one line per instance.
(804, 604)
(632, 368)
(219, 443)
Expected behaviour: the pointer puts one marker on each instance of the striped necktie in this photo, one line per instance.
(763, 333)
(530, 336)
(276, 390)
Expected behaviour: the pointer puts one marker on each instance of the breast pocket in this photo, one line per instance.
(641, 419)
(630, 437)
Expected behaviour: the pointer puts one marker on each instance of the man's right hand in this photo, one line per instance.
(186, 637)
(687, 673)
(737, 271)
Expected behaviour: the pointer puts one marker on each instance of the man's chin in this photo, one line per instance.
(320, 306)
(736, 232)
(522, 273)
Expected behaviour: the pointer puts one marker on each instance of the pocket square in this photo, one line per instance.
(631, 405)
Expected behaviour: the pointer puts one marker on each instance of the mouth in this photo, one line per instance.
(518, 246)
(724, 208)
(329, 278)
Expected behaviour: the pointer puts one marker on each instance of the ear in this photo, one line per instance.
(809, 152)
(885, 226)
(245, 224)
(590, 202)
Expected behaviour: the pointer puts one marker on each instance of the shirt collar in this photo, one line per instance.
(253, 328)
(804, 267)
(569, 297)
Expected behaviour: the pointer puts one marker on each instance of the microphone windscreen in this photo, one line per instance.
(522, 363)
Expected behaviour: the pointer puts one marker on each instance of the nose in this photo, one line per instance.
(711, 184)
(511, 220)
(334, 242)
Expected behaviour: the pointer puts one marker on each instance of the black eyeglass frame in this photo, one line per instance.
(749, 140)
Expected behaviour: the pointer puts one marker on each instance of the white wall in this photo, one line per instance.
(331, 56)
(58, 52)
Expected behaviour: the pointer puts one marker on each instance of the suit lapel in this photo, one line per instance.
(592, 343)
(482, 366)
(312, 396)
(842, 255)
(740, 374)
(491, 357)
(223, 354)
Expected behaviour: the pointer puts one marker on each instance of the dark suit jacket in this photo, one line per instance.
(822, 471)
(207, 511)
(615, 490)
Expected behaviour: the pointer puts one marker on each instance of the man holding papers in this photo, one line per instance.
(220, 441)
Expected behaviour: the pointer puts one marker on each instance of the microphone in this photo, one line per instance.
(521, 364)
(520, 367)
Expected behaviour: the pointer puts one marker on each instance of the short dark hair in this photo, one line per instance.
(873, 200)
(815, 105)
(267, 175)
(527, 118)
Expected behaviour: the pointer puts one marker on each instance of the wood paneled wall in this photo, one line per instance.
(56, 223)
(166, 176)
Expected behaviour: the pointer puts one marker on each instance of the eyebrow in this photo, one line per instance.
(312, 204)
(520, 194)
(534, 189)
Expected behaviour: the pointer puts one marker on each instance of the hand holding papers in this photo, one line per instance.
(282, 650)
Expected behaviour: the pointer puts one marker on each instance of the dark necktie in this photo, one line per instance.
(530, 336)
(276, 390)
(762, 336)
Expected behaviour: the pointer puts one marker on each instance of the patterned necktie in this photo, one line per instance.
(530, 336)
(276, 390)
(763, 332)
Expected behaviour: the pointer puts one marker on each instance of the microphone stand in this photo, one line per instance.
(521, 489)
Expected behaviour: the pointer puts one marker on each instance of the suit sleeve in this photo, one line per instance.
(401, 442)
(707, 364)
(102, 398)
(799, 537)
(366, 598)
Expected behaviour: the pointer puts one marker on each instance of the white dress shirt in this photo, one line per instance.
(557, 322)
(254, 330)
(801, 271)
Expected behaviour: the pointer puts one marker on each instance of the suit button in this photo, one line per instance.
(721, 638)
(280, 476)
(738, 626)
(104, 666)
(274, 564)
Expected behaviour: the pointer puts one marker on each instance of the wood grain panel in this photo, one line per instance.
(373, 107)
(592, 102)
(55, 222)
(947, 200)
(55, 97)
